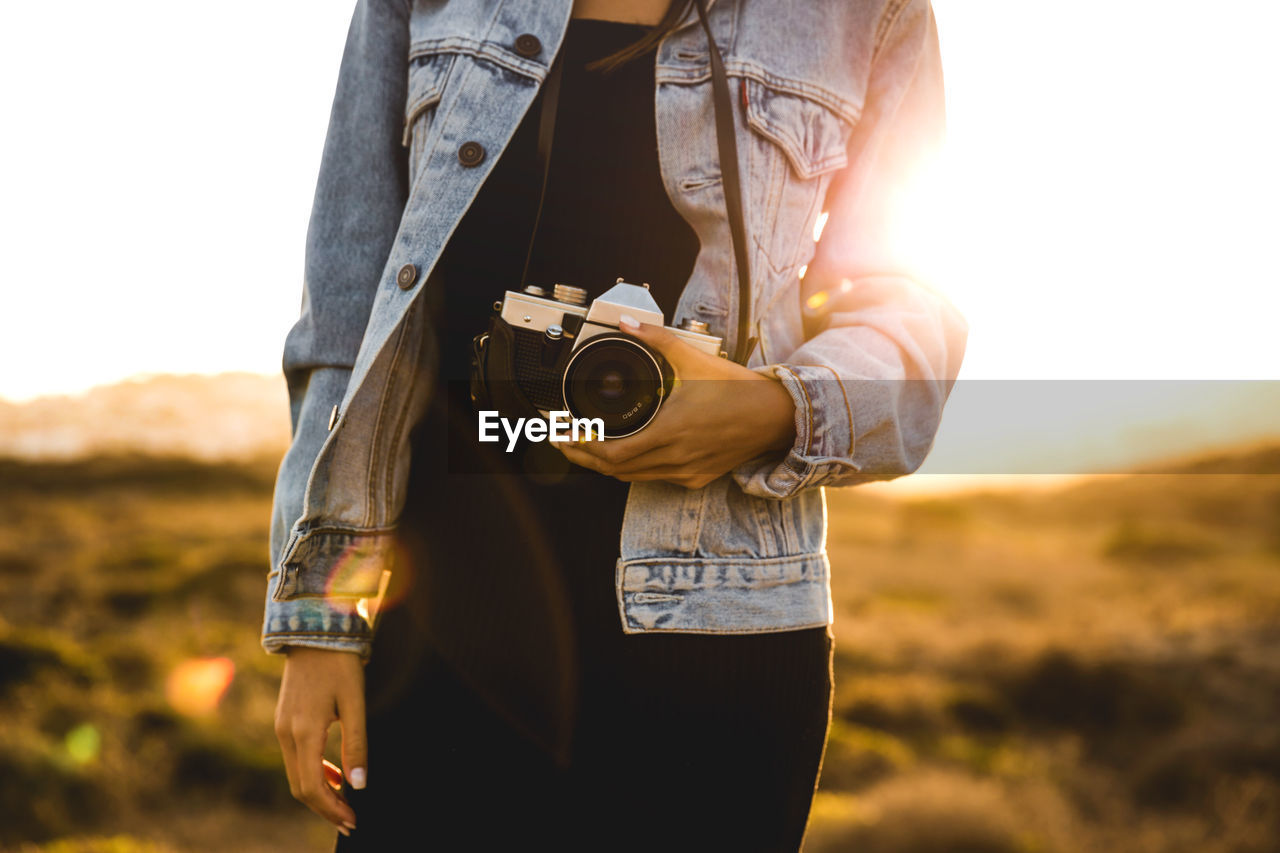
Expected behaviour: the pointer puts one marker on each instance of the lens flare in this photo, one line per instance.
(83, 743)
(368, 608)
(354, 567)
(195, 686)
(819, 225)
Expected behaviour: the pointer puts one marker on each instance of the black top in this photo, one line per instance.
(606, 215)
(505, 564)
(606, 212)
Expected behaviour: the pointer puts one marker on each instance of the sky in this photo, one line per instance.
(1106, 206)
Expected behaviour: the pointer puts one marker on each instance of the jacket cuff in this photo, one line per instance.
(317, 623)
(327, 589)
(824, 443)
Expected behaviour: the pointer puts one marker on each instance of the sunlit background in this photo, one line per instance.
(1090, 666)
(1105, 208)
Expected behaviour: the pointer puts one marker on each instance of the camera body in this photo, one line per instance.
(568, 356)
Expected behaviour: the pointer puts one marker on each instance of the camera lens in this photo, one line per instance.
(618, 380)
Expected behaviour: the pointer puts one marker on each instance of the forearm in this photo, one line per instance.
(882, 348)
(868, 391)
(359, 200)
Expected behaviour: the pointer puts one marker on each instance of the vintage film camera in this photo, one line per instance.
(562, 355)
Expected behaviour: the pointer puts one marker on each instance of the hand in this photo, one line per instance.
(704, 429)
(319, 687)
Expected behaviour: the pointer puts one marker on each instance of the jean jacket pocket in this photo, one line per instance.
(795, 144)
(427, 75)
(811, 134)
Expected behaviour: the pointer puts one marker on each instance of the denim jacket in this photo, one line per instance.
(836, 103)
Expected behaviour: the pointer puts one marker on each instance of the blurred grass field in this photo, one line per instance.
(1089, 668)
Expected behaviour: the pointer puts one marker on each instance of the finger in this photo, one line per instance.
(355, 747)
(290, 754)
(692, 481)
(670, 458)
(666, 428)
(578, 456)
(317, 795)
(676, 476)
(616, 451)
(690, 474)
(660, 338)
(587, 457)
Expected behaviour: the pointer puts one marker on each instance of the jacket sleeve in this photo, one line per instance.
(360, 197)
(882, 348)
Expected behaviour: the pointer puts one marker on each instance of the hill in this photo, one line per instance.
(219, 417)
(1093, 667)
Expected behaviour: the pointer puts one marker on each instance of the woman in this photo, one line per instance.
(562, 658)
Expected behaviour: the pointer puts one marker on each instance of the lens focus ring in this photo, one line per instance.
(618, 380)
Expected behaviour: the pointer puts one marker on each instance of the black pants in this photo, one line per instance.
(689, 743)
(507, 709)
(699, 743)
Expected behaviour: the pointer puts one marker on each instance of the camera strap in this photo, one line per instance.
(546, 132)
(726, 142)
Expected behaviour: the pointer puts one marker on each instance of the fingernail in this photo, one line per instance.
(628, 321)
(357, 778)
(344, 831)
(348, 824)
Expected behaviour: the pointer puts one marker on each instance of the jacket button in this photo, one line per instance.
(528, 45)
(470, 154)
(407, 276)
